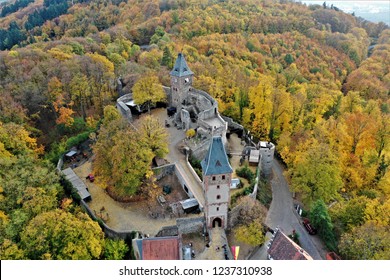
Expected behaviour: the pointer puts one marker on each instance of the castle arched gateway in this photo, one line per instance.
(217, 174)
(217, 222)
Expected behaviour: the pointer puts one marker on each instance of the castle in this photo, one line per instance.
(194, 108)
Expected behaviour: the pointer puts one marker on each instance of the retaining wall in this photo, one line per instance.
(190, 225)
(109, 232)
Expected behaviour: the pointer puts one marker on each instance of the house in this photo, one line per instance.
(281, 247)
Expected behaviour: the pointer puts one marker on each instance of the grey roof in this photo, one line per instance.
(254, 156)
(188, 203)
(181, 68)
(77, 183)
(216, 160)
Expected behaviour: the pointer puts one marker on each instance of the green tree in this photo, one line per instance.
(114, 249)
(60, 235)
(317, 174)
(288, 58)
(110, 114)
(147, 90)
(320, 219)
(167, 59)
(10, 251)
(348, 214)
(80, 92)
(367, 242)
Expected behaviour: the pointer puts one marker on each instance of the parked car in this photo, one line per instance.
(310, 229)
(332, 256)
(90, 177)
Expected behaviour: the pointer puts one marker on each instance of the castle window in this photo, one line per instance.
(217, 208)
(223, 177)
(218, 187)
(213, 178)
(218, 197)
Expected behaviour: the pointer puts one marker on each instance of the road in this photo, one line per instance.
(282, 214)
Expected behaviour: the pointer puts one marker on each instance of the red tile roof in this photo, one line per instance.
(162, 248)
(283, 248)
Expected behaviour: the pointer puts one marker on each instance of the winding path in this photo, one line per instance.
(282, 214)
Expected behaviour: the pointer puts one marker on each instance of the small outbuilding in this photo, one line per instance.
(254, 157)
(189, 205)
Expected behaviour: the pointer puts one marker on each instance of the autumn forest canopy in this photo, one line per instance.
(312, 79)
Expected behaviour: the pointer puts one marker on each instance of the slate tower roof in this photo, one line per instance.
(181, 68)
(216, 160)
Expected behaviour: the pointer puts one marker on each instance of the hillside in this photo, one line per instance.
(302, 77)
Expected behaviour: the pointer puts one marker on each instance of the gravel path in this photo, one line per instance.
(121, 216)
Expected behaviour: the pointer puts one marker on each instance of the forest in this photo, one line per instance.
(311, 79)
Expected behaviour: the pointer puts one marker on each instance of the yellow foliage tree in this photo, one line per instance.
(147, 90)
(251, 234)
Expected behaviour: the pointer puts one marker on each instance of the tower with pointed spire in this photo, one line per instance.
(181, 82)
(217, 175)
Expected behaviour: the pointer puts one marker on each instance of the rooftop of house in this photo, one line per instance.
(181, 68)
(283, 248)
(159, 248)
(216, 160)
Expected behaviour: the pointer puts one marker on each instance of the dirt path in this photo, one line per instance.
(121, 216)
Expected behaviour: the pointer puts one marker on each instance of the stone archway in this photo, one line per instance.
(217, 222)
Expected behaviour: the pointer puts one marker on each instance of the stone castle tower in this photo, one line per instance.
(217, 175)
(181, 82)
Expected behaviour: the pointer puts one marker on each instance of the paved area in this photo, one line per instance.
(177, 156)
(216, 250)
(282, 214)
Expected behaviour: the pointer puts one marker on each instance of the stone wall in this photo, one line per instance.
(109, 232)
(201, 99)
(232, 124)
(162, 171)
(168, 93)
(267, 151)
(124, 110)
(183, 182)
(201, 150)
(190, 225)
(234, 216)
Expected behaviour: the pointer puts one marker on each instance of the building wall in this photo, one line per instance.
(190, 225)
(180, 87)
(267, 157)
(217, 196)
(124, 110)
